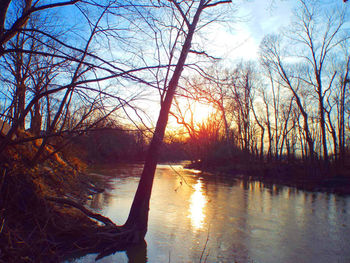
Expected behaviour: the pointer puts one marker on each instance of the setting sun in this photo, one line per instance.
(192, 113)
(201, 112)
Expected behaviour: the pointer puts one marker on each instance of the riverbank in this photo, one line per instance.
(42, 213)
(300, 176)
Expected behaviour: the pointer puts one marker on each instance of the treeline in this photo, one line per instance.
(108, 145)
(293, 105)
(111, 144)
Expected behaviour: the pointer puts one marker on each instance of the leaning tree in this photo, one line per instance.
(188, 15)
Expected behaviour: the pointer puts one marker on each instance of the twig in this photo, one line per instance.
(182, 178)
(205, 247)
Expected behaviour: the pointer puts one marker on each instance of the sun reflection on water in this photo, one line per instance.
(197, 205)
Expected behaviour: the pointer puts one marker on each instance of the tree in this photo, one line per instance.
(317, 36)
(321, 34)
(190, 13)
(241, 87)
(344, 81)
(211, 87)
(272, 59)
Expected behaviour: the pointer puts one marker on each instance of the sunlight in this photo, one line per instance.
(201, 112)
(198, 201)
(195, 112)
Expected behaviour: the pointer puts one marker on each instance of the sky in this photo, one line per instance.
(238, 39)
(256, 18)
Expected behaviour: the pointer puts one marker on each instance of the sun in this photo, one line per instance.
(201, 112)
(191, 112)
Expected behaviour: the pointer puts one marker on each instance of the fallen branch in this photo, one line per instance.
(87, 212)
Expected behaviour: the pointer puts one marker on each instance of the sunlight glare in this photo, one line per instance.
(193, 114)
(197, 205)
(201, 113)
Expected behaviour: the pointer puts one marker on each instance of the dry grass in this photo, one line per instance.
(33, 229)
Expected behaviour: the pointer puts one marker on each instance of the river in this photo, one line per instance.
(196, 217)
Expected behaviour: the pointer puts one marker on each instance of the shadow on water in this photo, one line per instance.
(138, 253)
(134, 254)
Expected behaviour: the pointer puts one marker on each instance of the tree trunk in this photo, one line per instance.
(138, 216)
(322, 125)
(341, 115)
(35, 124)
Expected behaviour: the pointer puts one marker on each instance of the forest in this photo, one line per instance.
(88, 83)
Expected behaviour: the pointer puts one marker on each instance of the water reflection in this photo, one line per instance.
(197, 205)
(249, 221)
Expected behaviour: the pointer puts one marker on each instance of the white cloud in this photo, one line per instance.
(241, 40)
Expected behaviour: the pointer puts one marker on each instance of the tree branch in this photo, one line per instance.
(87, 212)
(217, 3)
(20, 22)
(203, 53)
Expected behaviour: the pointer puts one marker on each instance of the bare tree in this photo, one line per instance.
(212, 87)
(319, 33)
(262, 128)
(189, 13)
(340, 97)
(272, 59)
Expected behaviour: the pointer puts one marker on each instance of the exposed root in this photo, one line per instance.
(35, 228)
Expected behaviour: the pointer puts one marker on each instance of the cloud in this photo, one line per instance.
(241, 39)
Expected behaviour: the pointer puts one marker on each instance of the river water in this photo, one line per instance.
(197, 217)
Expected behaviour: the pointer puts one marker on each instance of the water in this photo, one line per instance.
(198, 217)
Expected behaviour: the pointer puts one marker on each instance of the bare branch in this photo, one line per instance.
(217, 3)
